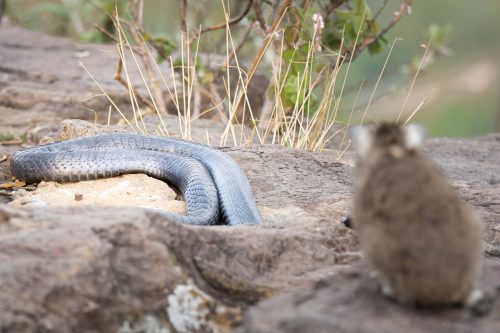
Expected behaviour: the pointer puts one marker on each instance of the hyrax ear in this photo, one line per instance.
(361, 139)
(414, 135)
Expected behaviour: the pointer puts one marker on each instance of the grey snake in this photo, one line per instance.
(214, 187)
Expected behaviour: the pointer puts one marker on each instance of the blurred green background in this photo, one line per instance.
(460, 86)
(469, 103)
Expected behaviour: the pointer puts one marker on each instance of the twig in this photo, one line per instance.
(258, 58)
(306, 4)
(108, 23)
(196, 94)
(240, 44)
(214, 94)
(234, 54)
(260, 53)
(410, 117)
(363, 106)
(11, 142)
(380, 10)
(352, 54)
(107, 96)
(378, 80)
(106, 33)
(350, 117)
(137, 31)
(334, 4)
(258, 15)
(427, 47)
(182, 7)
(231, 21)
(118, 77)
(137, 12)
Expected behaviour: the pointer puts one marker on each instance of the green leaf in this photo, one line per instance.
(375, 47)
(163, 45)
(288, 55)
(290, 34)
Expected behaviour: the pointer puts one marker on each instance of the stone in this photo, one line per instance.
(121, 265)
(352, 302)
(96, 268)
(302, 248)
(137, 190)
(35, 94)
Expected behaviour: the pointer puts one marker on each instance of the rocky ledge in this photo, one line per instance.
(88, 268)
(84, 268)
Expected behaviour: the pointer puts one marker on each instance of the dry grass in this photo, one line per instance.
(298, 126)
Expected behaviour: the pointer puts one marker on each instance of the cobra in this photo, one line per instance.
(214, 187)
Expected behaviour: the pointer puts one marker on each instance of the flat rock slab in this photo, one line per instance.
(90, 269)
(275, 208)
(35, 94)
(128, 190)
(126, 267)
(118, 269)
(45, 79)
(350, 302)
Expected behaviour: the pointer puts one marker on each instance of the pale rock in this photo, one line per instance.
(134, 190)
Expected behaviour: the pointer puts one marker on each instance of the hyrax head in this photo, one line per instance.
(388, 138)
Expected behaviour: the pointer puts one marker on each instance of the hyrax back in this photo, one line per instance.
(422, 240)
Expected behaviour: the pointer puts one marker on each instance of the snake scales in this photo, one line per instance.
(214, 187)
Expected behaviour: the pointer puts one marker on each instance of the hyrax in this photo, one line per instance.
(415, 232)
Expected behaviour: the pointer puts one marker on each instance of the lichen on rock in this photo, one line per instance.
(191, 310)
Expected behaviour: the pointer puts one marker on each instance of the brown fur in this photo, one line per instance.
(414, 230)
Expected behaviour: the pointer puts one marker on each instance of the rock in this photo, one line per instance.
(97, 263)
(352, 302)
(46, 79)
(81, 270)
(96, 269)
(116, 269)
(129, 190)
(35, 94)
(76, 128)
(202, 130)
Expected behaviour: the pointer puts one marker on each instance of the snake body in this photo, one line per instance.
(214, 187)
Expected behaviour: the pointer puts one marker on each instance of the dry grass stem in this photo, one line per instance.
(108, 97)
(378, 80)
(414, 79)
(308, 123)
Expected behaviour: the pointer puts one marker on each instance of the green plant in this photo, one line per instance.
(4, 137)
(304, 93)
